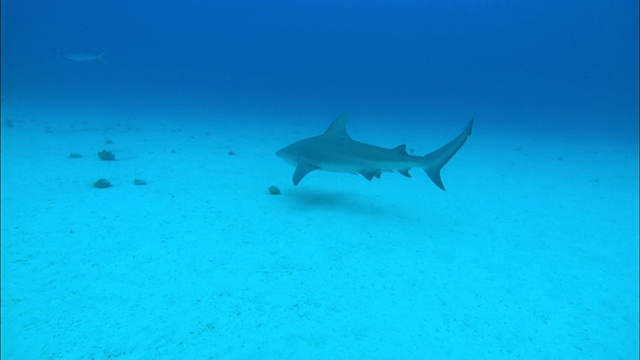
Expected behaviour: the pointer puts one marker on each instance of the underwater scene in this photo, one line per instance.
(319, 179)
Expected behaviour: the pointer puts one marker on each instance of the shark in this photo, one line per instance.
(336, 151)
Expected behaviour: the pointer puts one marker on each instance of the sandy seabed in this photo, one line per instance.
(531, 253)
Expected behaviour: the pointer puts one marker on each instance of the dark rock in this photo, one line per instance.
(101, 183)
(106, 155)
(273, 190)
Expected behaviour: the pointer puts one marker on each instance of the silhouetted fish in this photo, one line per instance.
(85, 57)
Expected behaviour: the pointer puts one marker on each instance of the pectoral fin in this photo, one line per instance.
(301, 170)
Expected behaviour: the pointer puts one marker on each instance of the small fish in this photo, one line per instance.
(85, 57)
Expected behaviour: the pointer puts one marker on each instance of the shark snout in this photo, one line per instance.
(284, 155)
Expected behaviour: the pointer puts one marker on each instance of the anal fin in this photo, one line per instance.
(405, 172)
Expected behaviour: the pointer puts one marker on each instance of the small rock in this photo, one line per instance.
(101, 183)
(75, 156)
(106, 155)
(273, 190)
(139, 182)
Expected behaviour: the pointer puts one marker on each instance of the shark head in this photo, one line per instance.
(288, 154)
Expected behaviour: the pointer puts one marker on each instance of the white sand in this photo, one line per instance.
(531, 253)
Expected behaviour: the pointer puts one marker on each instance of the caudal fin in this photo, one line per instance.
(101, 57)
(436, 160)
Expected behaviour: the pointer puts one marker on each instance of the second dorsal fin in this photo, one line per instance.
(401, 149)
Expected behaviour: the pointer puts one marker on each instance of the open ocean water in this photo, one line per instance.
(190, 253)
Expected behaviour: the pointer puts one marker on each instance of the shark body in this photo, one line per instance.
(336, 151)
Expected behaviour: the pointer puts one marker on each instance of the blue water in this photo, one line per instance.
(532, 252)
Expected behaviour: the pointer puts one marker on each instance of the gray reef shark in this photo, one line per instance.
(336, 151)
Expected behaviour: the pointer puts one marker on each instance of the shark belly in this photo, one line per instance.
(359, 166)
(370, 168)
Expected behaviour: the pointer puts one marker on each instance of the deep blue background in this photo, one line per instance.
(533, 63)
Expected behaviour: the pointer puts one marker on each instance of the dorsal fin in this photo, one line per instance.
(401, 149)
(338, 128)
